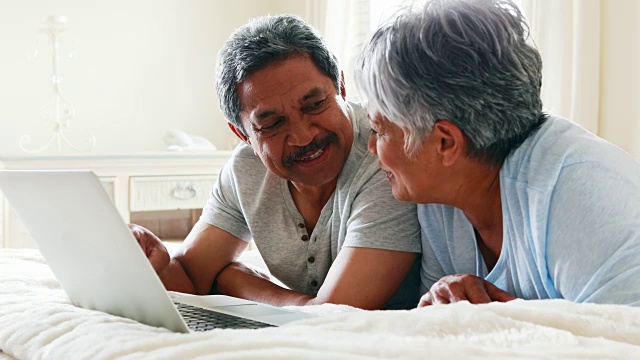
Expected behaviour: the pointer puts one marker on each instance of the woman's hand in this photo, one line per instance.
(461, 287)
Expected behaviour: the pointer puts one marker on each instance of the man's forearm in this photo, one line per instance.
(242, 281)
(175, 278)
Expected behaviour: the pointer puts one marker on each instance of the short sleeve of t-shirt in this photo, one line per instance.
(223, 209)
(380, 221)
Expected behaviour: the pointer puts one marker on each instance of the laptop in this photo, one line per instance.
(100, 265)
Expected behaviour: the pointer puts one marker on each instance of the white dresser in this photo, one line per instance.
(148, 187)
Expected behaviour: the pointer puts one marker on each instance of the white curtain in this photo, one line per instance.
(316, 11)
(346, 28)
(589, 50)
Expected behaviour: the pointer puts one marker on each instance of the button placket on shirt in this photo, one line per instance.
(311, 250)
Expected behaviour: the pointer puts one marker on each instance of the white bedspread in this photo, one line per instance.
(38, 322)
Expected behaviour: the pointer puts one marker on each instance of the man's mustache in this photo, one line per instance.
(313, 146)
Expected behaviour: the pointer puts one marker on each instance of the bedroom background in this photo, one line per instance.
(136, 70)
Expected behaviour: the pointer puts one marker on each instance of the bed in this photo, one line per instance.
(37, 321)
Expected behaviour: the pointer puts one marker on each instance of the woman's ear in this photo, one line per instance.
(239, 133)
(451, 141)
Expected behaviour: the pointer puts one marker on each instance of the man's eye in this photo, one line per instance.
(274, 125)
(374, 132)
(316, 105)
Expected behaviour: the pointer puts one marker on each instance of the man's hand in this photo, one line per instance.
(152, 246)
(454, 288)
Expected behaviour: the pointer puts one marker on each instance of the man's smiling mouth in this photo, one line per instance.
(312, 156)
(311, 151)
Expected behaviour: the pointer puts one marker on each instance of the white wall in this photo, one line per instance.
(620, 85)
(140, 67)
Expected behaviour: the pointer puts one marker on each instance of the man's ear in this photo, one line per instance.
(239, 133)
(343, 89)
(451, 142)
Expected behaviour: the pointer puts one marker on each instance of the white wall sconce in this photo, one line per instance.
(56, 110)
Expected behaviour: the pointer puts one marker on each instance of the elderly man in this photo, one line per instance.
(301, 185)
(515, 203)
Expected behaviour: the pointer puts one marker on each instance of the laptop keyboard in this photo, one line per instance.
(199, 319)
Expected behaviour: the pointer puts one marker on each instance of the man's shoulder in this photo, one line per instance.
(360, 166)
(244, 171)
(242, 150)
(243, 159)
(361, 127)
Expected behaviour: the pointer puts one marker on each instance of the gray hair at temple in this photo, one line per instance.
(465, 61)
(261, 42)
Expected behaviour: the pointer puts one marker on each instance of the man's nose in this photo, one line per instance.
(302, 132)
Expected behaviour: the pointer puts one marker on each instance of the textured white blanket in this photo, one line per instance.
(38, 322)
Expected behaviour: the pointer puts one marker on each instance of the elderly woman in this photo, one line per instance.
(515, 203)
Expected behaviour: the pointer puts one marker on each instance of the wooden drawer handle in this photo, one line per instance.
(182, 192)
